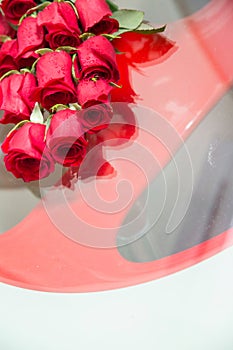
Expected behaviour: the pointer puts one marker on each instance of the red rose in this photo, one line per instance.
(94, 17)
(15, 97)
(8, 52)
(95, 118)
(61, 23)
(5, 29)
(97, 58)
(92, 92)
(26, 153)
(65, 138)
(53, 72)
(30, 37)
(15, 9)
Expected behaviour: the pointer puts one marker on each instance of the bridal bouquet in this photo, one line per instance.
(57, 70)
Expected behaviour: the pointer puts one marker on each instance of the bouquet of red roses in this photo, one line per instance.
(57, 70)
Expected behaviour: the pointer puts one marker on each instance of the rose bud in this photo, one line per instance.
(53, 71)
(26, 153)
(15, 97)
(94, 17)
(95, 118)
(61, 23)
(8, 53)
(5, 29)
(65, 138)
(15, 9)
(30, 38)
(97, 59)
(91, 92)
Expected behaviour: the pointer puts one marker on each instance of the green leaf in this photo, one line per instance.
(4, 38)
(115, 85)
(129, 19)
(17, 126)
(73, 69)
(43, 51)
(10, 72)
(95, 79)
(47, 125)
(143, 28)
(111, 36)
(75, 106)
(14, 26)
(36, 115)
(147, 28)
(33, 69)
(122, 31)
(33, 9)
(58, 107)
(73, 7)
(86, 36)
(66, 48)
(25, 70)
(118, 52)
(113, 7)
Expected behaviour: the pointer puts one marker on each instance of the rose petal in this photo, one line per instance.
(54, 65)
(90, 92)
(30, 36)
(97, 19)
(8, 54)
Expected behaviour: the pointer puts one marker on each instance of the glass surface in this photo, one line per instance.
(210, 211)
(174, 108)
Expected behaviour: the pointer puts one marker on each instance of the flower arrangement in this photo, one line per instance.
(58, 68)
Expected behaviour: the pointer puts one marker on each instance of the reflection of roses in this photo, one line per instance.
(94, 17)
(95, 164)
(65, 138)
(15, 9)
(122, 128)
(138, 50)
(53, 71)
(61, 23)
(15, 97)
(142, 48)
(26, 154)
(97, 59)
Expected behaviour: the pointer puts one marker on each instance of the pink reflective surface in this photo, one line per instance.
(180, 79)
